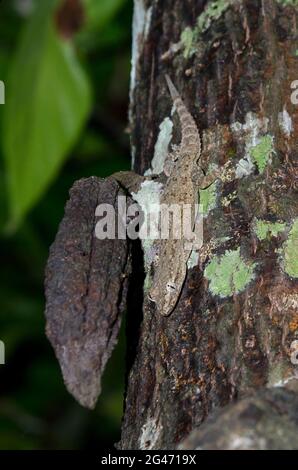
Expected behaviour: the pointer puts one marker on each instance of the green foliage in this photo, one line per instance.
(47, 102)
(51, 136)
(98, 14)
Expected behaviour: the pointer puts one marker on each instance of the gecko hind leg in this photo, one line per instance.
(197, 175)
(207, 180)
(224, 173)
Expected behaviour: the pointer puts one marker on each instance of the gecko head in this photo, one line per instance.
(165, 295)
(170, 298)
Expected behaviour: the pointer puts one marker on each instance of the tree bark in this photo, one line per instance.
(86, 286)
(232, 333)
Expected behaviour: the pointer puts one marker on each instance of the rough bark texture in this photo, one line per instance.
(232, 331)
(86, 287)
(267, 420)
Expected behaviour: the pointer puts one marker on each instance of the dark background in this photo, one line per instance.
(41, 156)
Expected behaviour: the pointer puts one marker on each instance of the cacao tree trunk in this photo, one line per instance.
(232, 335)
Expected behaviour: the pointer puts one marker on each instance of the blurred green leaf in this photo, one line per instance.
(12, 440)
(47, 102)
(96, 31)
(92, 145)
(36, 411)
(99, 13)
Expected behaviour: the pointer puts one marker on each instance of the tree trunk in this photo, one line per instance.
(233, 331)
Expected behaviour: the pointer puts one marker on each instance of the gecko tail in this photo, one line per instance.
(190, 134)
(173, 91)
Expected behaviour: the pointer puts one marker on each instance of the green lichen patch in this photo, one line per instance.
(228, 274)
(190, 36)
(193, 259)
(262, 152)
(212, 12)
(264, 229)
(253, 133)
(293, 3)
(148, 197)
(290, 250)
(188, 39)
(208, 199)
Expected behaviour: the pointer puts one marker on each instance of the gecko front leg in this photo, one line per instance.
(171, 160)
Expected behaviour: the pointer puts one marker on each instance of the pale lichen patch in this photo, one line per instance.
(229, 273)
(219, 241)
(285, 122)
(161, 147)
(245, 442)
(150, 434)
(193, 259)
(148, 197)
(258, 144)
(253, 127)
(244, 167)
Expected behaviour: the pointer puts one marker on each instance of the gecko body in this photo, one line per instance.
(181, 188)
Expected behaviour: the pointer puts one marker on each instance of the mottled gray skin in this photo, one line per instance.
(181, 188)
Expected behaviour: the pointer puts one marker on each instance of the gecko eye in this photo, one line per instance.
(171, 287)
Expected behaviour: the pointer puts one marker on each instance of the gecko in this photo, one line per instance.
(185, 178)
(84, 355)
